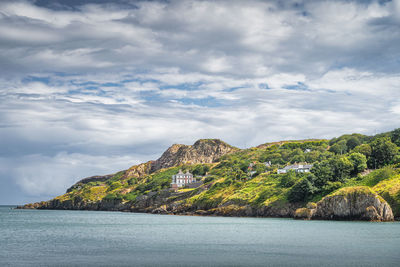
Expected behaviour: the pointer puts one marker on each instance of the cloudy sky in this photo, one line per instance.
(93, 87)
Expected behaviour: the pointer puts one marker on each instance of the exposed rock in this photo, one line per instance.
(203, 151)
(304, 213)
(139, 170)
(352, 203)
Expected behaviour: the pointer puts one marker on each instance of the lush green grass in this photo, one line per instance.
(373, 178)
(229, 183)
(389, 189)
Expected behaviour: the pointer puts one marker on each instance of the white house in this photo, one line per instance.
(181, 179)
(296, 167)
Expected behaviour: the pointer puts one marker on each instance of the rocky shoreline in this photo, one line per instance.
(358, 203)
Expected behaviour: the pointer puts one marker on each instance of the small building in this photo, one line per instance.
(296, 167)
(182, 179)
(268, 164)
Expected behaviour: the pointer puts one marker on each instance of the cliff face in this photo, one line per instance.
(203, 151)
(350, 203)
(139, 170)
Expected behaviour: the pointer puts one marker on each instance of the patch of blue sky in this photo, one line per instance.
(297, 87)
(84, 83)
(139, 80)
(64, 74)
(264, 86)
(110, 84)
(151, 97)
(183, 86)
(42, 79)
(204, 102)
(155, 98)
(233, 89)
(87, 90)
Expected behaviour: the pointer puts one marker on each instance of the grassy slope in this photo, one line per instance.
(228, 181)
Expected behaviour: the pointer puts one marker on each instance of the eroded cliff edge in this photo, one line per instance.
(350, 203)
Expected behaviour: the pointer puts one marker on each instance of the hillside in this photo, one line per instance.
(245, 182)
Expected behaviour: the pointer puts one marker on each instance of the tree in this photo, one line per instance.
(359, 162)
(275, 158)
(342, 168)
(312, 156)
(395, 136)
(352, 142)
(339, 148)
(364, 149)
(323, 173)
(396, 159)
(288, 179)
(382, 152)
(302, 190)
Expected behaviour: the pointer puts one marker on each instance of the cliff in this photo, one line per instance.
(202, 151)
(350, 203)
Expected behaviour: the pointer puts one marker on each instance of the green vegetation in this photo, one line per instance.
(248, 177)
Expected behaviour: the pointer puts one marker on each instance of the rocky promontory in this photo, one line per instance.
(246, 182)
(349, 203)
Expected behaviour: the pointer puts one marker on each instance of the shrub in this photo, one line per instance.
(288, 179)
(382, 152)
(113, 196)
(301, 191)
(359, 162)
(114, 186)
(330, 187)
(130, 196)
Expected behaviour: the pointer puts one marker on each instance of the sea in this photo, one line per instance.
(97, 238)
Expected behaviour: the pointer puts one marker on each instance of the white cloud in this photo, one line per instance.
(43, 175)
(96, 88)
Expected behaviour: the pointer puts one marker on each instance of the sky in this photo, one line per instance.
(94, 87)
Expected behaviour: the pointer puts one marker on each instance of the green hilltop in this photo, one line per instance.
(244, 182)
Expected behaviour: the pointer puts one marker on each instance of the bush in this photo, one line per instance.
(330, 187)
(364, 149)
(288, 179)
(359, 162)
(130, 196)
(114, 186)
(342, 168)
(339, 147)
(132, 181)
(209, 179)
(382, 152)
(301, 191)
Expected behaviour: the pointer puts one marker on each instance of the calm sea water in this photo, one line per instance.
(92, 238)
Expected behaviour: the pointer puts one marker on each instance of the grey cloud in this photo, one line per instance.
(188, 34)
(96, 87)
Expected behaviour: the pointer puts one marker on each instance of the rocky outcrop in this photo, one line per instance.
(203, 151)
(306, 213)
(349, 203)
(139, 170)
